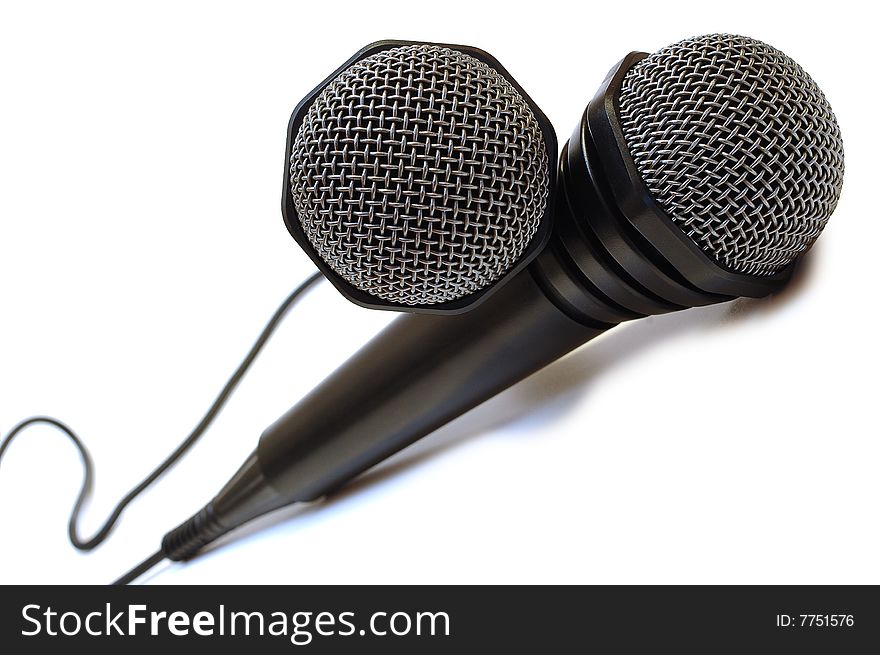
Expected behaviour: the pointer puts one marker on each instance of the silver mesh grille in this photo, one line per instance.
(738, 145)
(420, 175)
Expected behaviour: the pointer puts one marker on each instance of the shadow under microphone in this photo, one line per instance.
(697, 174)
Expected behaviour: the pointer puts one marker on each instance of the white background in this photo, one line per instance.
(142, 249)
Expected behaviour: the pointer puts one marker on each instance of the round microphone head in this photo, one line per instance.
(419, 176)
(737, 145)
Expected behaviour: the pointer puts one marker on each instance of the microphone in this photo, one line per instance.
(697, 174)
(420, 177)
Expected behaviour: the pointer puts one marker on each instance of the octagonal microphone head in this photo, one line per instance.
(419, 177)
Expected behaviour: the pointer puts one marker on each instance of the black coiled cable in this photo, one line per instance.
(89, 467)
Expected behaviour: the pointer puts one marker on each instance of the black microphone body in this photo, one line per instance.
(418, 374)
(613, 256)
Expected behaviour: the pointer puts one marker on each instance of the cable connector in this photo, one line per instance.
(184, 541)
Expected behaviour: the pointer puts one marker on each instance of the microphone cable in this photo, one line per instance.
(89, 467)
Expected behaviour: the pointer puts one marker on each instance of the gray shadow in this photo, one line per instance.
(547, 395)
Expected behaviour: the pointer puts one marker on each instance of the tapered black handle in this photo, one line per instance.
(421, 372)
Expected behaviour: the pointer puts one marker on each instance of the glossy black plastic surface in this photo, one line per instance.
(417, 375)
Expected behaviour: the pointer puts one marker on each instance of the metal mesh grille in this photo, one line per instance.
(420, 175)
(738, 145)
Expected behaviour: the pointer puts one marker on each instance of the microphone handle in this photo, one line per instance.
(421, 372)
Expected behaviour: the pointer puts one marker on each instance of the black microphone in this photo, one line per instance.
(698, 174)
